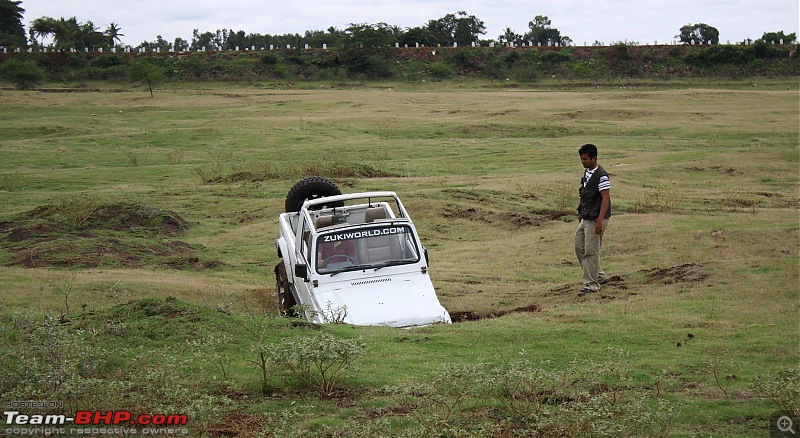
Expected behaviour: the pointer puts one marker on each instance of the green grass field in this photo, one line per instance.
(145, 227)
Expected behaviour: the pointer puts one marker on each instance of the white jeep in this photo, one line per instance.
(354, 259)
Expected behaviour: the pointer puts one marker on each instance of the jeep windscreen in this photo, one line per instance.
(373, 247)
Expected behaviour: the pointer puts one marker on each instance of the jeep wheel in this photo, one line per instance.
(285, 298)
(312, 187)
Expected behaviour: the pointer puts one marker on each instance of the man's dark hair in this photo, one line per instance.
(589, 149)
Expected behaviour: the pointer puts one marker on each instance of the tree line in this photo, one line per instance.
(369, 62)
(459, 28)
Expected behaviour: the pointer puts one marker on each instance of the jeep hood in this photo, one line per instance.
(402, 300)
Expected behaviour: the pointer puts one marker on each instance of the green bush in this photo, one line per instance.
(511, 58)
(107, 61)
(269, 58)
(601, 400)
(24, 74)
(413, 71)
(556, 56)
(762, 50)
(719, 54)
(442, 70)
(496, 68)
(195, 66)
(618, 51)
(470, 58)
(582, 68)
(318, 361)
(371, 66)
(782, 388)
(528, 73)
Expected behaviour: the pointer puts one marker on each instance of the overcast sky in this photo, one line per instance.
(584, 21)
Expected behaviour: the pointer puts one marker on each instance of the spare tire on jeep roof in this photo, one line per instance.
(312, 187)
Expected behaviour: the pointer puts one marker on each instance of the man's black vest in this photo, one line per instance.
(590, 196)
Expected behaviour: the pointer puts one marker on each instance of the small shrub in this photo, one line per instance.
(210, 172)
(318, 361)
(334, 314)
(133, 159)
(660, 200)
(781, 387)
(175, 156)
(76, 210)
(565, 197)
(444, 401)
(64, 288)
(590, 399)
(524, 390)
(9, 181)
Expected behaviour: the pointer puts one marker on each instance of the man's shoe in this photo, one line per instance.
(584, 291)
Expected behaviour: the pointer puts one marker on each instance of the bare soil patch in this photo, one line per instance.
(240, 424)
(515, 219)
(122, 234)
(684, 273)
(687, 272)
(467, 315)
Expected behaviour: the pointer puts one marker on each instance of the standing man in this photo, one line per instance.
(594, 213)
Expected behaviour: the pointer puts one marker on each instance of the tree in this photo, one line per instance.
(113, 33)
(236, 39)
(68, 33)
(180, 44)
(457, 28)
(700, 33)
(24, 74)
(159, 44)
(542, 33)
(42, 27)
(417, 35)
(11, 31)
(509, 36)
(777, 37)
(365, 49)
(202, 41)
(89, 35)
(332, 37)
(145, 73)
(65, 32)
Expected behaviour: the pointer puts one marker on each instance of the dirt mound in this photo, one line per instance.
(687, 272)
(85, 233)
(634, 283)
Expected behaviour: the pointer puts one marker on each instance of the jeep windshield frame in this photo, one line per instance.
(368, 246)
